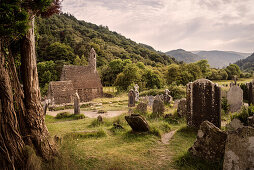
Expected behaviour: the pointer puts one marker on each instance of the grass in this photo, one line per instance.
(89, 144)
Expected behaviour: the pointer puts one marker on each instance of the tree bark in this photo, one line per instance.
(11, 142)
(34, 113)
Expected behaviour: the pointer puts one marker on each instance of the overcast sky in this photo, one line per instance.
(173, 24)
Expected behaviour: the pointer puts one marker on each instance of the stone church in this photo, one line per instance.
(83, 79)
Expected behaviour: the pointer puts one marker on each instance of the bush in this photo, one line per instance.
(155, 131)
(224, 105)
(86, 105)
(244, 114)
(56, 108)
(76, 117)
(63, 115)
(152, 92)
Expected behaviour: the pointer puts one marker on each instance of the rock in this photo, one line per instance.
(234, 125)
(210, 142)
(137, 123)
(203, 100)
(158, 108)
(99, 119)
(235, 98)
(142, 108)
(131, 98)
(182, 108)
(117, 126)
(76, 104)
(239, 150)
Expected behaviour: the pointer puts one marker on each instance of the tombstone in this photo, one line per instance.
(99, 119)
(76, 104)
(136, 89)
(235, 98)
(182, 108)
(150, 101)
(158, 107)
(251, 92)
(137, 123)
(131, 98)
(167, 98)
(203, 103)
(210, 142)
(239, 149)
(142, 108)
(45, 107)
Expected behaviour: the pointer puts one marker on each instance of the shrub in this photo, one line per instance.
(76, 117)
(155, 131)
(63, 115)
(56, 108)
(244, 114)
(225, 105)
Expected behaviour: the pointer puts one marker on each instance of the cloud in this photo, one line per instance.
(172, 24)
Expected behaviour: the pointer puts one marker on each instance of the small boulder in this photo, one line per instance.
(137, 123)
(210, 142)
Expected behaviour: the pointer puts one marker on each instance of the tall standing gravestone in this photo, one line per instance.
(203, 103)
(235, 98)
(131, 98)
(158, 107)
(251, 92)
(136, 90)
(76, 104)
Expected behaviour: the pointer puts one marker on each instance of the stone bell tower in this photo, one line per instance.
(92, 60)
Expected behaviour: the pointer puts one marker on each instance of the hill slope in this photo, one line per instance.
(246, 64)
(185, 56)
(77, 37)
(219, 59)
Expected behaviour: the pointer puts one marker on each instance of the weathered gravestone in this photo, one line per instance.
(251, 92)
(136, 90)
(137, 123)
(150, 101)
(203, 103)
(239, 150)
(235, 98)
(210, 143)
(76, 104)
(131, 98)
(142, 108)
(182, 108)
(158, 107)
(167, 98)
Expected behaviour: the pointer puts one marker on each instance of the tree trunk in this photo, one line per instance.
(34, 113)
(11, 142)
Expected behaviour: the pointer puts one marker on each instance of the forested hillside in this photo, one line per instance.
(185, 56)
(64, 37)
(246, 64)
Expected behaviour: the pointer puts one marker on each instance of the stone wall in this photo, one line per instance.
(60, 92)
(203, 103)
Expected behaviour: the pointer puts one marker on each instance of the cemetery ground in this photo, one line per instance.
(88, 144)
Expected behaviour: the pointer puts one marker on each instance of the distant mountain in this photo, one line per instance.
(219, 59)
(246, 64)
(185, 56)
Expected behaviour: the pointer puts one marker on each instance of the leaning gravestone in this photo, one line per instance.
(210, 143)
(203, 103)
(136, 90)
(76, 104)
(137, 123)
(142, 108)
(235, 98)
(182, 108)
(131, 98)
(158, 107)
(239, 150)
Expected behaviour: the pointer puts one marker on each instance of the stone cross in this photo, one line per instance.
(76, 104)
(136, 89)
(203, 103)
(131, 96)
(235, 98)
(235, 79)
